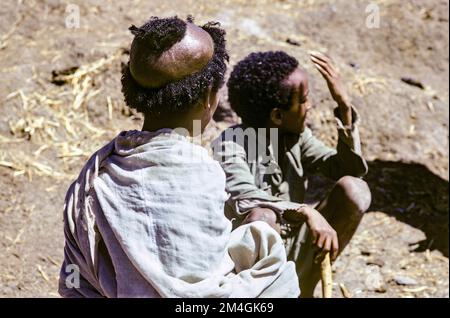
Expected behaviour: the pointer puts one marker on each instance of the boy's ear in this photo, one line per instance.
(209, 98)
(276, 116)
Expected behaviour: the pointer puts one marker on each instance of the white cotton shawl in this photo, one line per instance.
(145, 219)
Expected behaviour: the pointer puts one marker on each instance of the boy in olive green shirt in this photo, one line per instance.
(267, 158)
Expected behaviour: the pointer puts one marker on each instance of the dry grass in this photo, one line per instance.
(56, 121)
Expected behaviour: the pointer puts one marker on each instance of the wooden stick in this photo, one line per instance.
(325, 274)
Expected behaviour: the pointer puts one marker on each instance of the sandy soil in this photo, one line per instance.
(60, 100)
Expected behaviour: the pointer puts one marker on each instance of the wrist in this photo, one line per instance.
(305, 212)
(345, 113)
(344, 104)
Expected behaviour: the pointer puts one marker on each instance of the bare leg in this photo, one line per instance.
(343, 208)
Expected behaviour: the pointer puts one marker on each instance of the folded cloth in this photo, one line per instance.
(145, 219)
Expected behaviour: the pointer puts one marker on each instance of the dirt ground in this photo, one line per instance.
(60, 100)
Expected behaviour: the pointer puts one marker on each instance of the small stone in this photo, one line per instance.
(374, 281)
(403, 264)
(412, 82)
(365, 252)
(292, 42)
(405, 280)
(375, 261)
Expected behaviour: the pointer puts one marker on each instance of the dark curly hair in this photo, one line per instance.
(159, 35)
(256, 86)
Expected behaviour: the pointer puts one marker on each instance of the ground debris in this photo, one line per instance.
(412, 82)
(404, 280)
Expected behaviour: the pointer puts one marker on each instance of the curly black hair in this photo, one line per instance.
(159, 35)
(255, 86)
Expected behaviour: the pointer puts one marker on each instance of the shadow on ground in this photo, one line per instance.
(411, 193)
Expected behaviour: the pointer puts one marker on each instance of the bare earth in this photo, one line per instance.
(60, 100)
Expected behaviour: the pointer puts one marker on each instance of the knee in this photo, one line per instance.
(356, 193)
(261, 214)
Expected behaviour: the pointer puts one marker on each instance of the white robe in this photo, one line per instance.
(145, 219)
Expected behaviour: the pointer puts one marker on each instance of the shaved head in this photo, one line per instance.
(186, 57)
(174, 66)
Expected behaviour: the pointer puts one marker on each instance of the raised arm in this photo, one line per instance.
(347, 158)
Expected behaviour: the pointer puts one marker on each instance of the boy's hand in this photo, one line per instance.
(325, 66)
(323, 235)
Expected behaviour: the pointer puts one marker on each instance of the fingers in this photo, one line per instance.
(327, 243)
(320, 256)
(320, 245)
(321, 241)
(323, 71)
(315, 236)
(334, 247)
(321, 56)
(324, 65)
(324, 61)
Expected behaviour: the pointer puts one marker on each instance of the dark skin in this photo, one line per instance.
(334, 221)
(188, 56)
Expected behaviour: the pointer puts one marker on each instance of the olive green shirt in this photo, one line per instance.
(256, 178)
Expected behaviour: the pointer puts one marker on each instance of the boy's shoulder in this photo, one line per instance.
(230, 141)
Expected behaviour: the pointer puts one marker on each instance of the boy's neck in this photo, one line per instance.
(156, 124)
